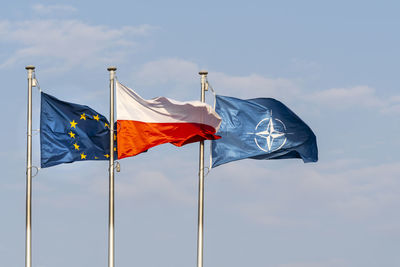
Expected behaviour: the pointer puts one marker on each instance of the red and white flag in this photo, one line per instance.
(143, 124)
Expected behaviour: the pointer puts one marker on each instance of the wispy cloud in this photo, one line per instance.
(254, 85)
(68, 43)
(52, 9)
(148, 185)
(356, 97)
(185, 73)
(392, 106)
(179, 78)
(168, 70)
(342, 98)
(354, 193)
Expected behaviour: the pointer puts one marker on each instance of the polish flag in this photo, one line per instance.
(142, 124)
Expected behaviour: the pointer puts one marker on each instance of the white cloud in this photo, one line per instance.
(167, 70)
(340, 164)
(254, 85)
(146, 184)
(268, 214)
(392, 109)
(185, 73)
(68, 43)
(179, 78)
(355, 97)
(180, 75)
(394, 99)
(351, 194)
(392, 106)
(52, 9)
(341, 98)
(355, 194)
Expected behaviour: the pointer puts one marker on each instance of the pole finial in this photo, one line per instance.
(203, 72)
(112, 68)
(30, 67)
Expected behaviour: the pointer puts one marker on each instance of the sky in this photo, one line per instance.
(334, 63)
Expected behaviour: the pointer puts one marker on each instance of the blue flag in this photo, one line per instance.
(71, 132)
(260, 128)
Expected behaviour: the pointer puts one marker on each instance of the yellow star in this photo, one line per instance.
(96, 157)
(115, 137)
(71, 134)
(96, 117)
(115, 149)
(106, 125)
(83, 156)
(106, 155)
(76, 146)
(83, 116)
(73, 124)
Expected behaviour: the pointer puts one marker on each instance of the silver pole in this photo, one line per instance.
(200, 234)
(28, 244)
(111, 260)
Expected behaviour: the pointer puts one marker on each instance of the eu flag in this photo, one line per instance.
(71, 132)
(260, 128)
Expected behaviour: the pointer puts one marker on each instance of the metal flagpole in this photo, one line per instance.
(200, 234)
(111, 171)
(28, 244)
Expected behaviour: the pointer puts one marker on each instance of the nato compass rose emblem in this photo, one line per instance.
(270, 134)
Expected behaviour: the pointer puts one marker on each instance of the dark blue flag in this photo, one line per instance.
(260, 128)
(71, 132)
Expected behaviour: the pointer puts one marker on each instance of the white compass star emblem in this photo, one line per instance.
(275, 139)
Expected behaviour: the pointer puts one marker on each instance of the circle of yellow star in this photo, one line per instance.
(97, 118)
(73, 124)
(106, 155)
(83, 156)
(83, 116)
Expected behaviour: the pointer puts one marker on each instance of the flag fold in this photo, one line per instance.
(142, 124)
(71, 132)
(260, 128)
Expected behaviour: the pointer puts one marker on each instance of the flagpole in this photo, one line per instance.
(111, 260)
(200, 222)
(28, 244)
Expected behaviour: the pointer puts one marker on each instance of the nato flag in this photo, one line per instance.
(71, 132)
(260, 128)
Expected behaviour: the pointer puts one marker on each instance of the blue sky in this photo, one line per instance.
(333, 63)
